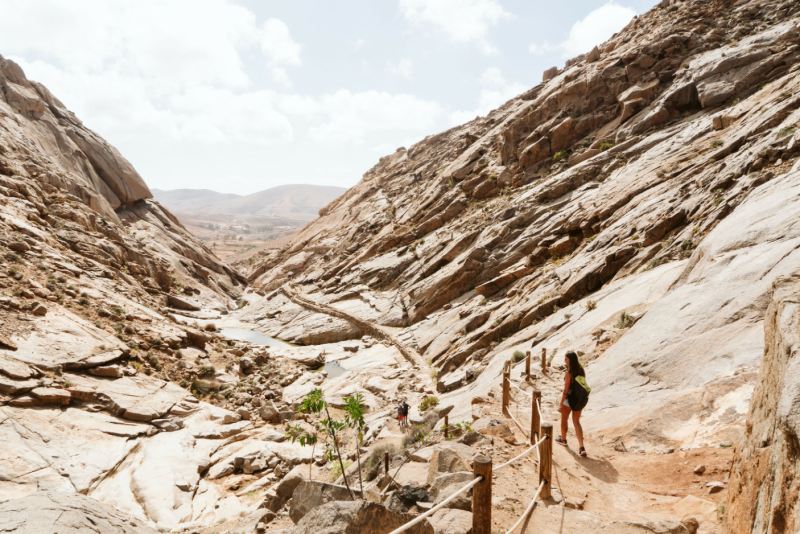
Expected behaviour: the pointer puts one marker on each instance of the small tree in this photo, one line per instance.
(305, 437)
(314, 404)
(354, 408)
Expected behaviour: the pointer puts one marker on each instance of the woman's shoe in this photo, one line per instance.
(562, 441)
(582, 452)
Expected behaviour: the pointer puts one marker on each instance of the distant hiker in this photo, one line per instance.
(573, 399)
(402, 414)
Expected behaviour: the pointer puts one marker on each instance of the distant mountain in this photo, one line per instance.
(295, 202)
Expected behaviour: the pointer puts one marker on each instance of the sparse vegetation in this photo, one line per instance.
(591, 304)
(518, 356)
(428, 402)
(716, 143)
(418, 436)
(625, 320)
(786, 132)
(325, 426)
(605, 145)
(560, 155)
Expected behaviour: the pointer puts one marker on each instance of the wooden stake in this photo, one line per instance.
(386, 462)
(506, 387)
(482, 496)
(546, 459)
(536, 417)
(527, 365)
(446, 426)
(544, 360)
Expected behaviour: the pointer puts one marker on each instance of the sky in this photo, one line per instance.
(242, 95)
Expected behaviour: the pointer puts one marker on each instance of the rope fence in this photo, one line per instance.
(541, 441)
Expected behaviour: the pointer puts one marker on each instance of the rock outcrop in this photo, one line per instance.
(765, 477)
(635, 206)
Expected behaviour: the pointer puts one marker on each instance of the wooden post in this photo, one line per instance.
(527, 365)
(386, 462)
(482, 496)
(536, 417)
(546, 459)
(544, 360)
(506, 387)
(446, 426)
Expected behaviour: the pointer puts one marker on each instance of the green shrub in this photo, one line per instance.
(518, 356)
(428, 402)
(605, 145)
(560, 155)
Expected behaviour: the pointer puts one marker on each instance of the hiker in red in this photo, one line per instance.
(573, 399)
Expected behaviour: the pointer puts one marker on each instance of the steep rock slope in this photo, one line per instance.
(765, 484)
(94, 275)
(636, 205)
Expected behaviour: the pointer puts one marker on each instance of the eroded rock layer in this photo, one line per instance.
(637, 206)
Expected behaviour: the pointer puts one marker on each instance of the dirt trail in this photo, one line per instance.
(366, 327)
(632, 492)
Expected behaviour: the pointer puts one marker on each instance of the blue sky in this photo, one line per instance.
(238, 96)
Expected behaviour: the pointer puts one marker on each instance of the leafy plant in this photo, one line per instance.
(428, 402)
(304, 437)
(314, 404)
(354, 409)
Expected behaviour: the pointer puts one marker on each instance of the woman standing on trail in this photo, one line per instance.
(573, 399)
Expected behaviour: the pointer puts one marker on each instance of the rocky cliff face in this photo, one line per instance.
(637, 205)
(93, 276)
(765, 482)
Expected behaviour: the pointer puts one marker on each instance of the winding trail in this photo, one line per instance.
(367, 327)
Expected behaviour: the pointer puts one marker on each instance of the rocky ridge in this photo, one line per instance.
(607, 200)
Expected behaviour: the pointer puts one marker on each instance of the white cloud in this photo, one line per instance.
(279, 48)
(462, 20)
(368, 115)
(403, 68)
(593, 29)
(495, 90)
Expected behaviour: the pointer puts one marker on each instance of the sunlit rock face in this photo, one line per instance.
(636, 206)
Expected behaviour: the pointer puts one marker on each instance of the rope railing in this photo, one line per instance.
(528, 510)
(541, 441)
(521, 455)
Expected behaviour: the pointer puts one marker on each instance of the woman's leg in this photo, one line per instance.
(564, 426)
(576, 422)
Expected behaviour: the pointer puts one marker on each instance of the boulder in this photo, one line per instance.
(310, 494)
(6, 343)
(402, 499)
(182, 303)
(449, 459)
(494, 427)
(269, 413)
(451, 521)
(446, 484)
(348, 517)
(283, 490)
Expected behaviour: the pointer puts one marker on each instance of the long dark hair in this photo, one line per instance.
(575, 367)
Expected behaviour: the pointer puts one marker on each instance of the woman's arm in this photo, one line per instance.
(567, 380)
